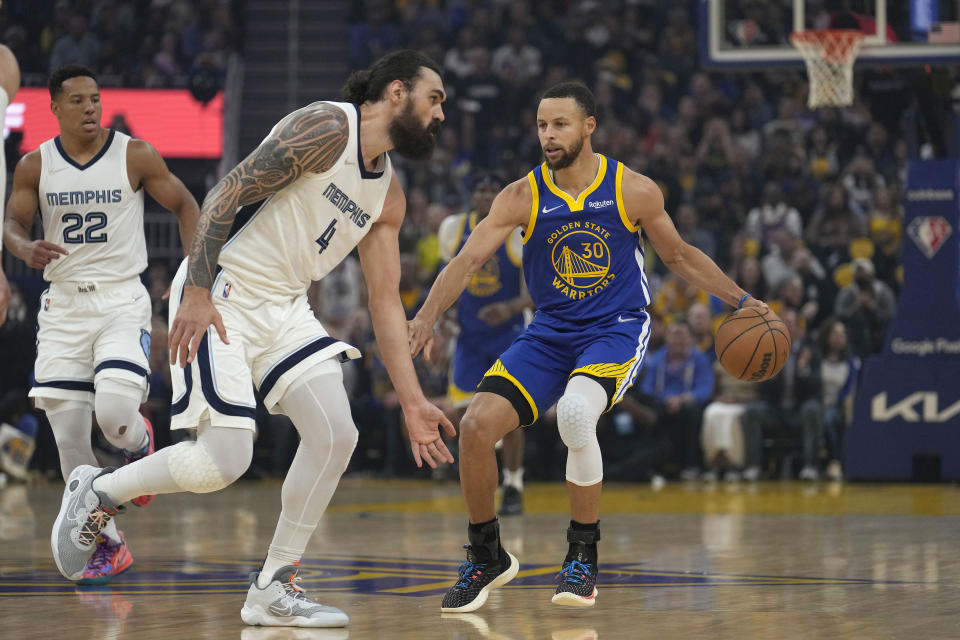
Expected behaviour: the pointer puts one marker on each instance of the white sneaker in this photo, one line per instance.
(809, 473)
(751, 474)
(284, 604)
(709, 476)
(83, 514)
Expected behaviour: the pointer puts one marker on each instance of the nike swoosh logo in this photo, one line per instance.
(282, 611)
(622, 319)
(545, 210)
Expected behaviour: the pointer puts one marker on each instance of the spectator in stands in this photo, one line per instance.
(689, 228)
(77, 46)
(727, 449)
(839, 370)
(701, 328)
(788, 406)
(679, 380)
(860, 181)
(773, 214)
(867, 305)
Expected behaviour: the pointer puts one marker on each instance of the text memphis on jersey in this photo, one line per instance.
(103, 196)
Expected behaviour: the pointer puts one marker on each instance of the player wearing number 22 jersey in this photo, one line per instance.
(93, 344)
(581, 214)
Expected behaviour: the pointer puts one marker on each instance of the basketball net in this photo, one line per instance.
(829, 55)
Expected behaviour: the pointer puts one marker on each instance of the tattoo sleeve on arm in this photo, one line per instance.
(308, 140)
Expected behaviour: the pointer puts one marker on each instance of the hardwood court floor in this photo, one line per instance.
(763, 561)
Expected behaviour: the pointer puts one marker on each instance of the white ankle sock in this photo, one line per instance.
(513, 478)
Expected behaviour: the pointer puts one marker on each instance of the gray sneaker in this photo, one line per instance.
(83, 515)
(283, 603)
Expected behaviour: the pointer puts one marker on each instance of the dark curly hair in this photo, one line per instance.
(404, 65)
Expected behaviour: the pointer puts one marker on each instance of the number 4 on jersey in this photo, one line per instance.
(324, 240)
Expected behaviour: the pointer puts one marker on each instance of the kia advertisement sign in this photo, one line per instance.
(170, 119)
(906, 422)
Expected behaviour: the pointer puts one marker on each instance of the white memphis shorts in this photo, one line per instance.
(89, 331)
(271, 346)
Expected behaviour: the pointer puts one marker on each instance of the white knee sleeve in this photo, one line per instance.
(117, 405)
(575, 421)
(218, 458)
(577, 413)
(193, 468)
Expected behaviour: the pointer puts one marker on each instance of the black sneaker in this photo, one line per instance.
(477, 580)
(512, 503)
(578, 577)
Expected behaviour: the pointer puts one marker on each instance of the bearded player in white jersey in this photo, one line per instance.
(93, 345)
(318, 186)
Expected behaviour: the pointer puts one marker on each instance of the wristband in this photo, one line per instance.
(742, 300)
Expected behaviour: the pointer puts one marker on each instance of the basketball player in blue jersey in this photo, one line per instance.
(582, 259)
(93, 344)
(490, 316)
(10, 83)
(320, 185)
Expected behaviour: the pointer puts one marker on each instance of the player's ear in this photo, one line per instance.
(396, 91)
(589, 125)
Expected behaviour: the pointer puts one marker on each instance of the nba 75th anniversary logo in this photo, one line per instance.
(929, 233)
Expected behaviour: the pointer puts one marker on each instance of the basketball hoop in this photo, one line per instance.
(829, 55)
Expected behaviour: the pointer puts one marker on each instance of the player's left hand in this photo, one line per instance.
(426, 443)
(495, 313)
(5, 296)
(420, 335)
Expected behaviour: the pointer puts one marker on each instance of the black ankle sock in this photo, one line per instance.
(485, 540)
(583, 542)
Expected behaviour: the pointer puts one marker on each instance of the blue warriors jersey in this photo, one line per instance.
(582, 258)
(498, 280)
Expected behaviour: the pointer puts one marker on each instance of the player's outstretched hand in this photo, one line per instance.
(426, 442)
(5, 296)
(43, 253)
(195, 314)
(420, 334)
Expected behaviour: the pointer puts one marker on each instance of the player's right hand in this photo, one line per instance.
(420, 335)
(423, 421)
(41, 253)
(5, 296)
(195, 314)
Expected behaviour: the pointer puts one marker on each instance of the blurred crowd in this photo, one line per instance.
(129, 43)
(802, 208)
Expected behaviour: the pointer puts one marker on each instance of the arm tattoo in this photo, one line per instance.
(309, 140)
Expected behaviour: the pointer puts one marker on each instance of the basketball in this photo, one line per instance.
(753, 344)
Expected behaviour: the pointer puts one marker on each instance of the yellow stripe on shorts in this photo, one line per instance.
(499, 370)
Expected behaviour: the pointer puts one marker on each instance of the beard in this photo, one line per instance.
(567, 157)
(411, 139)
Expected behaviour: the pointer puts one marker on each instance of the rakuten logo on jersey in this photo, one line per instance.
(920, 406)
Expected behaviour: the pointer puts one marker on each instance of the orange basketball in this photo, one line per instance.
(753, 344)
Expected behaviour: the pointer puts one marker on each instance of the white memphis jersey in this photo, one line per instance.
(92, 212)
(298, 235)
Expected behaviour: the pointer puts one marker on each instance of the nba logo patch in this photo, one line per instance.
(226, 290)
(929, 233)
(46, 304)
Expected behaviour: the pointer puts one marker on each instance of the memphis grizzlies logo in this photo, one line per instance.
(145, 343)
(581, 259)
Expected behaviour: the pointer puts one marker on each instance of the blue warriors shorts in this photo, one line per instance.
(532, 374)
(476, 352)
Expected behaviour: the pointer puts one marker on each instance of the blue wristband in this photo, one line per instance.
(742, 300)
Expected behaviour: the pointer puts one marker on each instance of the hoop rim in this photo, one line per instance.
(834, 46)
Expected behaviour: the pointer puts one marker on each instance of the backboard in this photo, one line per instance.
(752, 34)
